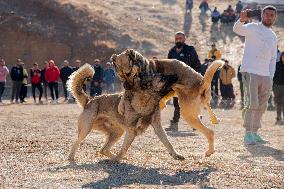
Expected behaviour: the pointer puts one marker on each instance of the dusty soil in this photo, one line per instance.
(35, 141)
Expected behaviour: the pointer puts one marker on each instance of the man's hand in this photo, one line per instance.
(244, 16)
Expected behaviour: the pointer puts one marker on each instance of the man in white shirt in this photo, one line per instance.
(257, 68)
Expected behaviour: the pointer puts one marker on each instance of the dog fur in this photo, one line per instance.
(192, 89)
(101, 113)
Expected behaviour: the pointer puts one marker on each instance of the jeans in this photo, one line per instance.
(2, 88)
(16, 88)
(53, 87)
(39, 87)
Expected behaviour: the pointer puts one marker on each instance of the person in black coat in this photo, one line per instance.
(187, 54)
(96, 83)
(278, 90)
(65, 72)
(17, 77)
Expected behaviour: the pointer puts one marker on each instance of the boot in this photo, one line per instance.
(173, 126)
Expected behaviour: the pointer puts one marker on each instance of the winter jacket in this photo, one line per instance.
(52, 74)
(215, 54)
(65, 72)
(187, 55)
(4, 71)
(99, 74)
(25, 77)
(35, 75)
(278, 78)
(17, 73)
(109, 76)
(227, 73)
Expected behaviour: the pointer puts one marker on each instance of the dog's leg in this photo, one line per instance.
(197, 124)
(160, 132)
(214, 119)
(83, 130)
(113, 135)
(163, 101)
(121, 107)
(128, 139)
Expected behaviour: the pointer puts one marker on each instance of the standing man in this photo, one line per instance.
(35, 74)
(4, 71)
(17, 78)
(257, 68)
(214, 53)
(52, 75)
(96, 83)
(109, 77)
(187, 54)
(44, 82)
(65, 72)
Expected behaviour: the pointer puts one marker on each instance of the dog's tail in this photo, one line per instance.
(208, 76)
(76, 82)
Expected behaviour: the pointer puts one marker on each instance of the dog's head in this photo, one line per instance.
(128, 65)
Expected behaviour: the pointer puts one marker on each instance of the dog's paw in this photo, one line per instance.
(71, 159)
(115, 158)
(209, 153)
(177, 156)
(215, 120)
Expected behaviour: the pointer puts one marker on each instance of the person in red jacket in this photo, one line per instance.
(52, 75)
(35, 74)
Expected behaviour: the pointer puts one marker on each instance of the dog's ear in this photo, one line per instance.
(113, 57)
(131, 53)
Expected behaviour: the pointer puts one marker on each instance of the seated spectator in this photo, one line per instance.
(204, 7)
(227, 73)
(215, 16)
(214, 53)
(109, 76)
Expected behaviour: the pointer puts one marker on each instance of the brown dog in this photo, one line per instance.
(192, 89)
(101, 113)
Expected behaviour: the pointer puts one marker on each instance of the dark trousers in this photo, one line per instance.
(53, 87)
(242, 91)
(95, 90)
(23, 92)
(39, 87)
(278, 91)
(227, 92)
(2, 88)
(64, 84)
(177, 110)
(16, 88)
(45, 87)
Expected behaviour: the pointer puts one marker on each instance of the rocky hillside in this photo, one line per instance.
(36, 30)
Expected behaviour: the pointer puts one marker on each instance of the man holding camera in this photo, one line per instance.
(257, 68)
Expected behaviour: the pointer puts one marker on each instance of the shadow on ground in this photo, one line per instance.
(261, 150)
(123, 174)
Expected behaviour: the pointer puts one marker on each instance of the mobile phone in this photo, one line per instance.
(254, 13)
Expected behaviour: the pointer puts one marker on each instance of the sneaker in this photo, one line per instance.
(278, 122)
(257, 138)
(40, 102)
(34, 101)
(249, 139)
(173, 126)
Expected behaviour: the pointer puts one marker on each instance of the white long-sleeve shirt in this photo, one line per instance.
(260, 51)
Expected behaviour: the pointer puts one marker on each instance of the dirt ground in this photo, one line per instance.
(35, 141)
